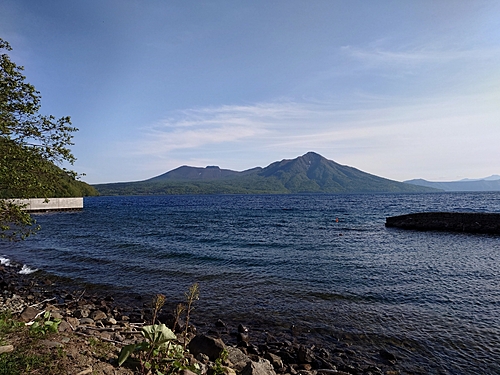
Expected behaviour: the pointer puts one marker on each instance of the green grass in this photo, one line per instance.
(27, 358)
(20, 362)
(7, 326)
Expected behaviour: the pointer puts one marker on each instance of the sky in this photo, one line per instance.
(399, 89)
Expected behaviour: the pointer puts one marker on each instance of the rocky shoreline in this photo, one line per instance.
(91, 312)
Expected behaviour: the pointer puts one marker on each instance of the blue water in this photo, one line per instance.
(433, 298)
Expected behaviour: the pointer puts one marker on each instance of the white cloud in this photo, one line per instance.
(378, 54)
(390, 137)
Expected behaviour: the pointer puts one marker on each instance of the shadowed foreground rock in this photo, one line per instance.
(468, 222)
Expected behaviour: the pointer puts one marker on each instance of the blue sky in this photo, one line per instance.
(400, 89)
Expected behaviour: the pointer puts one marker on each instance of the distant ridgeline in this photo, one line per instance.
(491, 183)
(310, 173)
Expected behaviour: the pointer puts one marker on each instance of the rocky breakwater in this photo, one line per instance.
(468, 222)
(87, 318)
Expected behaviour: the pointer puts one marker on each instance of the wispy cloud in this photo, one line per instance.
(380, 55)
(382, 134)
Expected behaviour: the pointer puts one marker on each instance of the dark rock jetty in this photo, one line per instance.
(468, 222)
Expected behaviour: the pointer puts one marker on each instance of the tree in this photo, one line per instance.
(31, 147)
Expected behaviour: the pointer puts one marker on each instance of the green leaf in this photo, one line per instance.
(158, 334)
(125, 353)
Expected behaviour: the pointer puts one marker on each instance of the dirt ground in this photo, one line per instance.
(61, 353)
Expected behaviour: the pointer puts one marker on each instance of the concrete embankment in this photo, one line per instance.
(51, 204)
(469, 222)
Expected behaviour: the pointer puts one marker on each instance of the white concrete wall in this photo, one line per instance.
(39, 204)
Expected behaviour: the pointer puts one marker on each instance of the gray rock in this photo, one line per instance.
(73, 322)
(6, 349)
(286, 357)
(29, 313)
(223, 370)
(105, 335)
(275, 360)
(64, 326)
(56, 315)
(118, 337)
(207, 345)
(262, 367)
(220, 324)
(136, 318)
(242, 328)
(87, 321)
(348, 369)
(51, 344)
(98, 315)
(203, 358)
(243, 337)
(81, 313)
(237, 358)
(305, 355)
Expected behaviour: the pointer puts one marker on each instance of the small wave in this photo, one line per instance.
(4, 261)
(26, 270)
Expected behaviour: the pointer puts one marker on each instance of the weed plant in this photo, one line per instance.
(45, 325)
(218, 368)
(159, 353)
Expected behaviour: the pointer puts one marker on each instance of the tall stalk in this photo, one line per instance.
(192, 295)
(158, 302)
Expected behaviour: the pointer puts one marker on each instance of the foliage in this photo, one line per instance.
(8, 325)
(218, 368)
(14, 221)
(31, 147)
(28, 358)
(45, 325)
(160, 353)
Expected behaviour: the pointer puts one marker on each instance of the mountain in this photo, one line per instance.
(209, 173)
(493, 177)
(310, 173)
(487, 184)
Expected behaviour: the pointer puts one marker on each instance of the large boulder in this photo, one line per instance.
(207, 345)
(262, 367)
(237, 358)
(275, 360)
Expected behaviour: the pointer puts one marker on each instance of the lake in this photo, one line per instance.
(279, 261)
